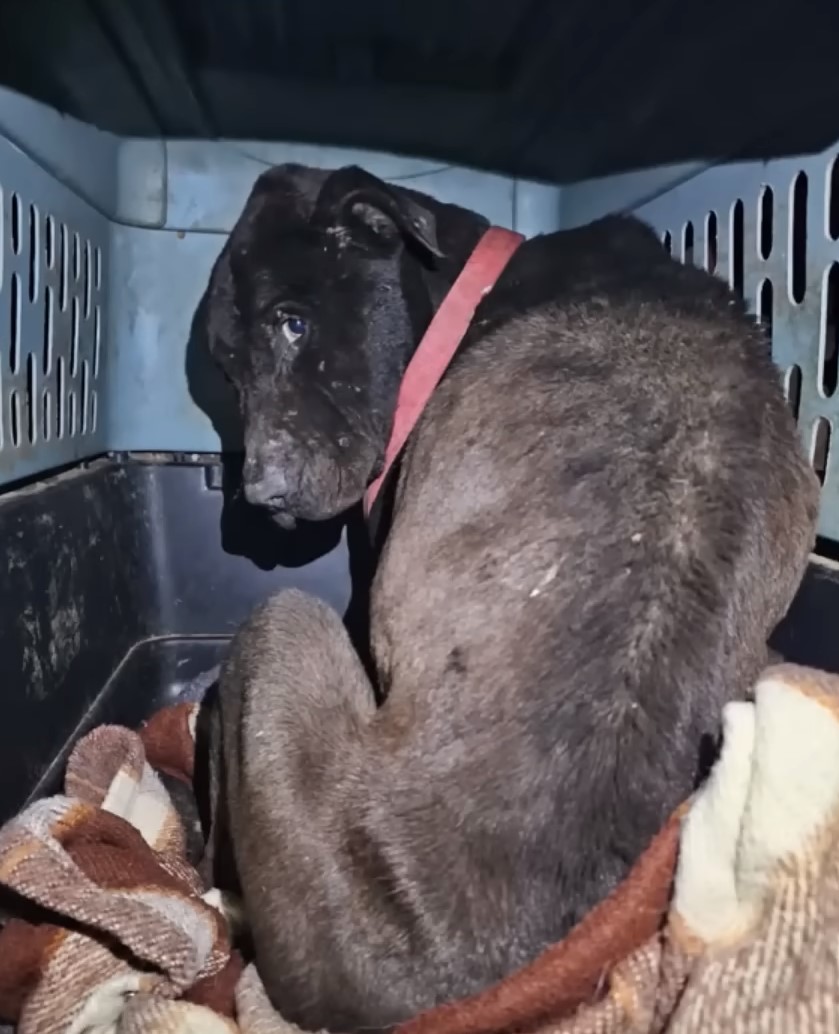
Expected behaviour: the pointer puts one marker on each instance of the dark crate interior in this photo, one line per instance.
(562, 90)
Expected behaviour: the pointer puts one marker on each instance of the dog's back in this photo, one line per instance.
(602, 514)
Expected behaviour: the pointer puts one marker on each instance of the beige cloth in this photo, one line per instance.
(752, 938)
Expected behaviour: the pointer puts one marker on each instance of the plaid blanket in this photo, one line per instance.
(728, 922)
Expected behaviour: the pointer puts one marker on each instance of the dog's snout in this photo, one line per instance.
(265, 487)
(261, 494)
(269, 491)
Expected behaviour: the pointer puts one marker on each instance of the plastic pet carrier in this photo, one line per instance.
(130, 135)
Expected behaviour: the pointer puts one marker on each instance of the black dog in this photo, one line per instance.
(598, 521)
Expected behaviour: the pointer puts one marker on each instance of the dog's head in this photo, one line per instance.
(315, 306)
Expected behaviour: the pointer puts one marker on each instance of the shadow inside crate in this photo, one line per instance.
(560, 92)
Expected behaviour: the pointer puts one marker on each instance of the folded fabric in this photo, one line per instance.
(113, 911)
(168, 739)
(728, 922)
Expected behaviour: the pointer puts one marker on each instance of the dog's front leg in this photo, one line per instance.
(296, 711)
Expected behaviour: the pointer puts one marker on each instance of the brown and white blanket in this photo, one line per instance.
(728, 923)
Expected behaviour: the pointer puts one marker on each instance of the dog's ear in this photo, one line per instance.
(361, 202)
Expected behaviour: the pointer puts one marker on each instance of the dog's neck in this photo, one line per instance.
(458, 232)
(442, 339)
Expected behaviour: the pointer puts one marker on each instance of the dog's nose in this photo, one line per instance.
(267, 491)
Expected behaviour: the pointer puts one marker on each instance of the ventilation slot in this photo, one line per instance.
(49, 331)
(798, 238)
(793, 390)
(765, 217)
(765, 302)
(59, 398)
(14, 323)
(833, 199)
(88, 279)
(49, 242)
(829, 347)
(74, 337)
(737, 247)
(14, 418)
(85, 395)
(46, 413)
(687, 244)
(31, 400)
(62, 270)
(97, 335)
(34, 252)
(711, 242)
(16, 241)
(820, 447)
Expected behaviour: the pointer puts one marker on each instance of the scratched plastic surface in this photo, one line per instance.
(122, 582)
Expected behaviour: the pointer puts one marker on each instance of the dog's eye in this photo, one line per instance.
(292, 328)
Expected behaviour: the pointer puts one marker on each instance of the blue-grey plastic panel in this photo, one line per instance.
(54, 257)
(771, 229)
(78, 155)
(159, 278)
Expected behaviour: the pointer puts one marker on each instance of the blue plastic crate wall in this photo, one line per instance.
(53, 281)
(772, 230)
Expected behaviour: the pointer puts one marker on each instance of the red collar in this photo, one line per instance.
(440, 342)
